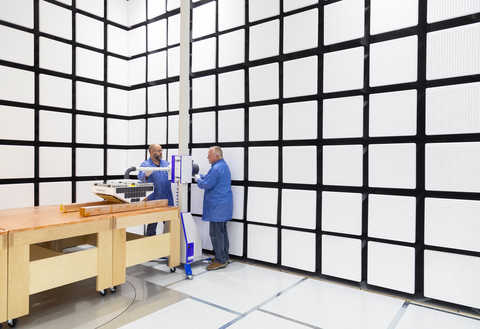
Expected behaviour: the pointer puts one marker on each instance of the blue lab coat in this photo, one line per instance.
(162, 187)
(218, 199)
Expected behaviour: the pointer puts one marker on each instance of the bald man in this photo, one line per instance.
(162, 185)
(217, 205)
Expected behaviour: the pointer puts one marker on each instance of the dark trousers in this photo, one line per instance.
(151, 229)
(219, 237)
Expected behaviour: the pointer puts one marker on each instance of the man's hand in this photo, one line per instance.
(196, 177)
(148, 173)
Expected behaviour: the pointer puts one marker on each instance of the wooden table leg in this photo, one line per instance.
(18, 278)
(3, 276)
(174, 259)
(104, 259)
(119, 256)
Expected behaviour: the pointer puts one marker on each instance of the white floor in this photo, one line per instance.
(247, 296)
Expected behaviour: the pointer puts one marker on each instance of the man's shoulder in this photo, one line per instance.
(146, 163)
(164, 163)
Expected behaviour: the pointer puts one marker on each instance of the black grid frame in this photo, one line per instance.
(36, 107)
(420, 139)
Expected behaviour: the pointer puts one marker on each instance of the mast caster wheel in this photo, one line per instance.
(12, 323)
(102, 292)
(173, 269)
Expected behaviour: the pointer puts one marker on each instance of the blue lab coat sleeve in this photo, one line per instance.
(218, 198)
(161, 183)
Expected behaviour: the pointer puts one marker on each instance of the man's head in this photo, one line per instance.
(155, 152)
(215, 153)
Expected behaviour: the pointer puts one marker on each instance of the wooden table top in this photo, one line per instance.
(143, 211)
(32, 218)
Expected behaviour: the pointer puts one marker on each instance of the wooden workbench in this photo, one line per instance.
(3, 275)
(32, 267)
(131, 249)
(37, 236)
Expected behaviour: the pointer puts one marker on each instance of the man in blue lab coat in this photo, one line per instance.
(162, 188)
(217, 205)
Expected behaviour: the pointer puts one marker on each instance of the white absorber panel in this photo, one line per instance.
(393, 114)
(391, 266)
(300, 31)
(264, 40)
(264, 82)
(343, 117)
(392, 165)
(203, 127)
(90, 64)
(235, 238)
(55, 127)
(453, 109)
(157, 99)
(20, 45)
(262, 243)
(343, 70)
(234, 156)
(17, 161)
(16, 195)
(203, 92)
(55, 161)
(203, 19)
(262, 205)
(55, 193)
(391, 217)
(258, 116)
(452, 223)
(231, 87)
(17, 85)
(300, 164)
(20, 123)
(203, 55)
(342, 212)
(343, 165)
(299, 250)
(393, 61)
(18, 12)
(390, 15)
(300, 120)
(453, 52)
(439, 10)
(89, 162)
(259, 9)
(229, 129)
(300, 77)
(230, 14)
(342, 257)
(452, 167)
(263, 164)
(344, 20)
(231, 48)
(299, 208)
(452, 278)
(238, 197)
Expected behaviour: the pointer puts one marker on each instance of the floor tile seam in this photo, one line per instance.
(290, 319)
(241, 316)
(444, 311)
(399, 315)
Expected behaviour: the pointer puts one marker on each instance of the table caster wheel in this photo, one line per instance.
(113, 290)
(189, 277)
(173, 269)
(102, 292)
(12, 323)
